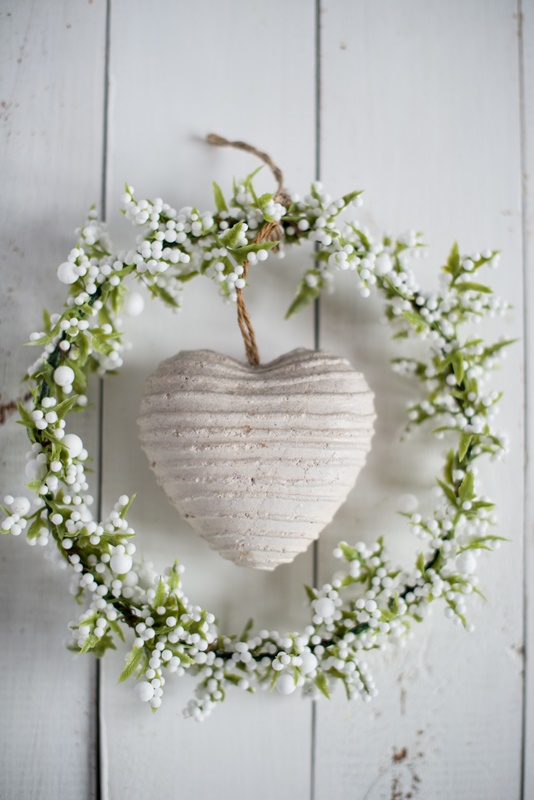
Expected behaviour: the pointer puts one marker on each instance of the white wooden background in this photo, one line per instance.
(429, 107)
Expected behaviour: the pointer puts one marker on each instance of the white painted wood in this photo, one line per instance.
(51, 103)
(527, 64)
(179, 71)
(420, 108)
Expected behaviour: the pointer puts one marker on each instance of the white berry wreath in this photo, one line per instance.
(369, 602)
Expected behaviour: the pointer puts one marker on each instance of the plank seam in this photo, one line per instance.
(101, 776)
(526, 354)
(316, 334)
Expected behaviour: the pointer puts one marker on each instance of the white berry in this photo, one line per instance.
(407, 503)
(144, 691)
(133, 304)
(63, 376)
(66, 273)
(324, 607)
(34, 470)
(466, 562)
(121, 563)
(73, 443)
(383, 264)
(20, 505)
(285, 684)
(309, 663)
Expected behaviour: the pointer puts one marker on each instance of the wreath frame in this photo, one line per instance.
(369, 602)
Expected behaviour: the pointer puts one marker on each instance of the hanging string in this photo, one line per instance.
(269, 231)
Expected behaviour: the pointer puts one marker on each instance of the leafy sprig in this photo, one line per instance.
(370, 601)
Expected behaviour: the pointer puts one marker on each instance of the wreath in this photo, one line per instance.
(369, 602)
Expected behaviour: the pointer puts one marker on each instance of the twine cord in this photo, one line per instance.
(269, 231)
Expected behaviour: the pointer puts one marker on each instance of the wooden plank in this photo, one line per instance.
(51, 103)
(193, 78)
(420, 108)
(526, 64)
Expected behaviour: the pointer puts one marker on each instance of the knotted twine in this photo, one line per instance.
(269, 232)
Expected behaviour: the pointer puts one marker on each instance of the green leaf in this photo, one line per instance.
(253, 247)
(132, 662)
(104, 643)
(263, 200)
(420, 563)
(304, 296)
(469, 286)
(46, 321)
(89, 643)
(494, 348)
(82, 343)
(448, 468)
(104, 317)
(231, 678)
(463, 446)
(124, 509)
(348, 198)
(461, 617)
(394, 604)
(116, 628)
(63, 408)
(350, 553)
(416, 320)
(160, 597)
(25, 415)
(246, 630)
(220, 202)
(482, 504)
(35, 528)
(467, 487)
(185, 277)
(247, 183)
(174, 577)
(392, 286)
(164, 295)
(231, 236)
(480, 594)
(322, 684)
(453, 266)
(480, 543)
(28, 425)
(363, 238)
(101, 343)
(312, 594)
(458, 366)
(448, 492)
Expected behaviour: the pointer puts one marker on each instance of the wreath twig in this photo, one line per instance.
(369, 601)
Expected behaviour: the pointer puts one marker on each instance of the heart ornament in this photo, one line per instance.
(257, 459)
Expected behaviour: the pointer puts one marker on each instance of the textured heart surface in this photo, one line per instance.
(257, 459)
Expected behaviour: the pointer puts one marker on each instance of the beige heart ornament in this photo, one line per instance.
(257, 459)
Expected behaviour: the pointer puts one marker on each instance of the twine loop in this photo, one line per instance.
(269, 232)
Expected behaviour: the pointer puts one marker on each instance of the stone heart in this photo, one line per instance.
(257, 459)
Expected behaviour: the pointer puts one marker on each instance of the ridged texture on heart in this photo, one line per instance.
(257, 459)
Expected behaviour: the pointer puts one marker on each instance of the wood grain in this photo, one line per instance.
(526, 63)
(421, 105)
(235, 74)
(428, 94)
(51, 104)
